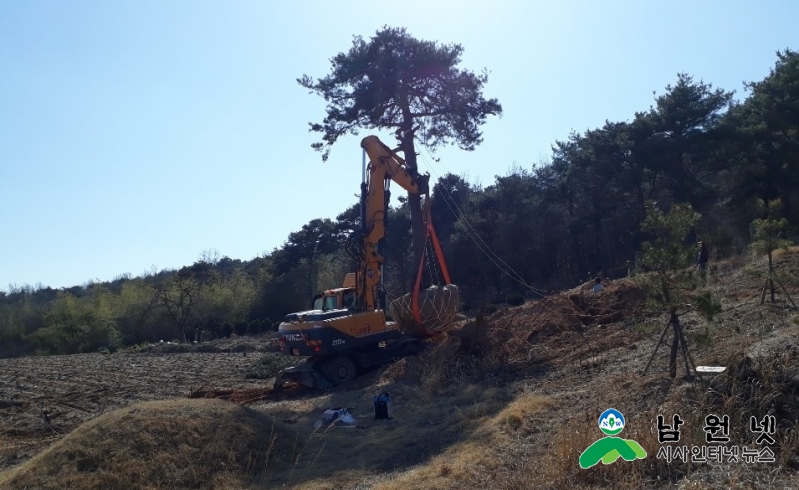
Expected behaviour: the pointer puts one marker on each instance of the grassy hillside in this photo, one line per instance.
(506, 401)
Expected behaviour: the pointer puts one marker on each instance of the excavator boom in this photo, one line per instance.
(384, 166)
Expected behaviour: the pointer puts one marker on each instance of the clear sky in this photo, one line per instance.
(136, 134)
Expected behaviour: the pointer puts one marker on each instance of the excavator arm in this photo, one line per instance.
(384, 166)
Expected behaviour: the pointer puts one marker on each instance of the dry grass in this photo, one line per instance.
(749, 388)
(481, 458)
(782, 251)
(160, 445)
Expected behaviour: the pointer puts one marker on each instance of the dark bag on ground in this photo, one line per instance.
(383, 409)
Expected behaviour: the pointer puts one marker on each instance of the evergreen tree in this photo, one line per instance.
(411, 86)
(673, 285)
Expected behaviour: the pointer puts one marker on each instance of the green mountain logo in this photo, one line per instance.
(609, 449)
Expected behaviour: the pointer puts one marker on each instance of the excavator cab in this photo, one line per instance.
(342, 298)
(325, 302)
(334, 299)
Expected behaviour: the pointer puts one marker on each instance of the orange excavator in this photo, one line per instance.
(346, 331)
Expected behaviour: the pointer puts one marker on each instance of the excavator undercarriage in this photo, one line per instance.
(323, 372)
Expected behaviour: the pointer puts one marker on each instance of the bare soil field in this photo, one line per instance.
(44, 398)
(510, 401)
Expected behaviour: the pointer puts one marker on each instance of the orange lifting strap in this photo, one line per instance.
(430, 233)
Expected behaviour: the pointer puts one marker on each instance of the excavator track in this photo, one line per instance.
(316, 372)
(305, 374)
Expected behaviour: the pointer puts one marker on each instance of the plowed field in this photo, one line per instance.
(69, 390)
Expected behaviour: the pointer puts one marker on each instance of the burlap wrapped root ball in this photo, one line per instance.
(437, 309)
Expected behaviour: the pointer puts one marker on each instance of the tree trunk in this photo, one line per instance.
(417, 228)
(770, 268)
(599, 263)
(675, 344)
(786, 194)
(673, 357)
(574, 233)
(414, 200)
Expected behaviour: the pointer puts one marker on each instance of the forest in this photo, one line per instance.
(541, 228)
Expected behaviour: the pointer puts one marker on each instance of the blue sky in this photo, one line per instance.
(137, 134)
